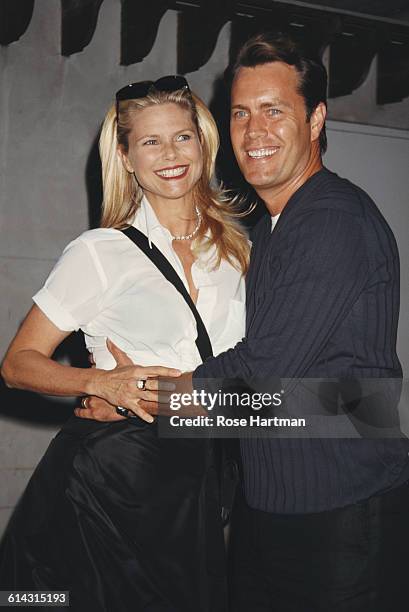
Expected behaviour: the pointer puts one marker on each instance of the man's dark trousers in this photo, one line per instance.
(352, 559)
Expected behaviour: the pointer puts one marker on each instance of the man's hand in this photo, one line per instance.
(119, 387)
(161, 406)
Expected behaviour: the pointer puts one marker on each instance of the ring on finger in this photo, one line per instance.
(84, 401)
(141, 384)
(122, 411)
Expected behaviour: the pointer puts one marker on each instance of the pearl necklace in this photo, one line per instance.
(189, 236)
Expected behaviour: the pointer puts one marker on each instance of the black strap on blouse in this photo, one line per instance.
(224, 457)
(159, 260)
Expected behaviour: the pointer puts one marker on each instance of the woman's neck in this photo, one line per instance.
(177, 215)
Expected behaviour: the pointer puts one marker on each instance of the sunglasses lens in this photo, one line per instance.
(142, 89)
(136, 90)
(171, 83)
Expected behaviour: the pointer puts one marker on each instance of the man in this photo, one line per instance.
(324, 526)
(324, 521)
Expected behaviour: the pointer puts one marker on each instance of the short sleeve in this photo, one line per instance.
(71, 296)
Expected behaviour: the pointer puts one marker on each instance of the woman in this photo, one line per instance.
(124, 519)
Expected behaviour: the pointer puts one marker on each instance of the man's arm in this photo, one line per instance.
(317, 276)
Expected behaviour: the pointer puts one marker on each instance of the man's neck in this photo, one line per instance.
(276, 200)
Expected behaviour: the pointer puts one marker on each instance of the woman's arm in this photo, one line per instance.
(28, 365)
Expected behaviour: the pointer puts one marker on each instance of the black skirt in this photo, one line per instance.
(123, 520)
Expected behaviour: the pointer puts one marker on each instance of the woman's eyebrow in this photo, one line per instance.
(181, 131)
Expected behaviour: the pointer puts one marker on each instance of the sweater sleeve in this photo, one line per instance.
(315, 276)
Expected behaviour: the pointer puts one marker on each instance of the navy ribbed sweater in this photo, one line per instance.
(322, 302)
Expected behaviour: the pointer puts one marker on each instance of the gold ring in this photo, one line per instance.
(84, 402)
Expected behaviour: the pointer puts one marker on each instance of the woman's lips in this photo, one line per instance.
(175, 172)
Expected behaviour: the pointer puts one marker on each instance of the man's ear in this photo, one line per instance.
(124, 159)
(317, 120)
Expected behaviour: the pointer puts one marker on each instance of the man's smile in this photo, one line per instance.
(262, 153)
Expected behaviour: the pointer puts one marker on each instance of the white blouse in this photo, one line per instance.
(104, 285)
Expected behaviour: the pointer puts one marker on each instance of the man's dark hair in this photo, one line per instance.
(278, 47)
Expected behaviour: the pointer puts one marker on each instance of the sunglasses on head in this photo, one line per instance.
(143, 88)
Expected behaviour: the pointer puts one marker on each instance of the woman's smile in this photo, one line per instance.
(173, 172)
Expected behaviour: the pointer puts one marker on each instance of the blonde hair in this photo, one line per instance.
(122, 194)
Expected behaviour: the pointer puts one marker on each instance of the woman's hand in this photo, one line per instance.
(28, 365)
(98, 410)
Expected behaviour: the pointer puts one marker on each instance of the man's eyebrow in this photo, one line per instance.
(266, 104)
(275, 102)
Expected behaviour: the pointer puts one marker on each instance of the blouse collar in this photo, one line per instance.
(146, 220)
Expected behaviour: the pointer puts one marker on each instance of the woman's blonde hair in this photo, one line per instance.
(122, 194)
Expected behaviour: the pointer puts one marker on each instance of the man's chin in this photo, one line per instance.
(259, 177)
(260, 182)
